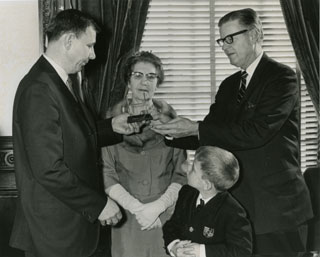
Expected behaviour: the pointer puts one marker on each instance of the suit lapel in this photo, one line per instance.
(82, 111)
(87, 114)
(46, 67)
(256, 78)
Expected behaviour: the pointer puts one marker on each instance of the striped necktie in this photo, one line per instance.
(242, 89)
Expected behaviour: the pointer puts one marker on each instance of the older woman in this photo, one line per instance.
(142, 174)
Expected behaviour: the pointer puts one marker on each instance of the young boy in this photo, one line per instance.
(220, 227)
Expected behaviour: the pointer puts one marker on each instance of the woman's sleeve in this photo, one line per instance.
(179, 176)
(110, 175)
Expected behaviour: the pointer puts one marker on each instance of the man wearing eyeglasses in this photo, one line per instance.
(256, 117)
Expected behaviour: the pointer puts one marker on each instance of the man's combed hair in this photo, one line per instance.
(219, 166)
(70, 20)
(246, 17)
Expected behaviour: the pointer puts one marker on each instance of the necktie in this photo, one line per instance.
(200, 205)
(74, 84)
(242, 89)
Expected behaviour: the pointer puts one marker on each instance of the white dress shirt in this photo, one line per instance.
(61, 72)
(252, 67)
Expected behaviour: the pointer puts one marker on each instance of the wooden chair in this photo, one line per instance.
(312, 178)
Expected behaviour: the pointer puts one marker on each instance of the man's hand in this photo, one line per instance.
(164, 113)
(110, 214)
(178, 127)
(120, 125)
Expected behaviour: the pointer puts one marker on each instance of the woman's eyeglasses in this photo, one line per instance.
(139, 76)
(229, 38)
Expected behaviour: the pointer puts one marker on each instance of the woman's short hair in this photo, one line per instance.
(219, 166)
(143, 56)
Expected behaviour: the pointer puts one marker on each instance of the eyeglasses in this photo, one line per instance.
(139, 75)
(229, 38)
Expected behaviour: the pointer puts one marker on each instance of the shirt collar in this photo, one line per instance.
(201, 197)
(61, 72)
(251, 68)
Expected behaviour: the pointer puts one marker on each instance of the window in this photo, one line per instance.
(183, 33)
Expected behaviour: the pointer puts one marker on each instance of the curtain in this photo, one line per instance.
(302, 20)
(122, 23)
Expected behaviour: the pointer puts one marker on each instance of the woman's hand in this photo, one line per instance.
(148, 213)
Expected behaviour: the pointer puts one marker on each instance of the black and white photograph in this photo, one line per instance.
(158, 128)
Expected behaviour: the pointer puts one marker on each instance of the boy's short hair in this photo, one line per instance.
(219, 166)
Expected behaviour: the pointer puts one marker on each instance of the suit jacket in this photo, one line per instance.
(221, 224)
(57, 167)
(263, 133)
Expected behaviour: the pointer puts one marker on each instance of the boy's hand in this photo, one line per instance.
(189, 249)
(183, 249)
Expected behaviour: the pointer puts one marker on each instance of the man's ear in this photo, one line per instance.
(68, 39)
(255, 36)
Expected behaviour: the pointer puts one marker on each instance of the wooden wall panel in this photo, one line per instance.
(8, 196)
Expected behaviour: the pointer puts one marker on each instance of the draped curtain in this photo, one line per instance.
(302, 20)
(122, 24)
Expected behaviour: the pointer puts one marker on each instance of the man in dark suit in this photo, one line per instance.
(256, 117)
(207, 220)
(55, 147)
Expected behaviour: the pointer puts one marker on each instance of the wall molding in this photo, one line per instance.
(7, 177)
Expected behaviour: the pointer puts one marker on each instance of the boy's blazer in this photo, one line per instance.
(221, 224)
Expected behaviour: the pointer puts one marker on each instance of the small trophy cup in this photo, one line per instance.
(144, 116)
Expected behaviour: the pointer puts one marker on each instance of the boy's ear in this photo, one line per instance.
(207, 184)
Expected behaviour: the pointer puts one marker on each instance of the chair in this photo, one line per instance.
(312, 178)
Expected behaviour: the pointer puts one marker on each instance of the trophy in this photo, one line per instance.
(144, 116)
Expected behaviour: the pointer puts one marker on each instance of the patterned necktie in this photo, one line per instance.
(242, 89)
